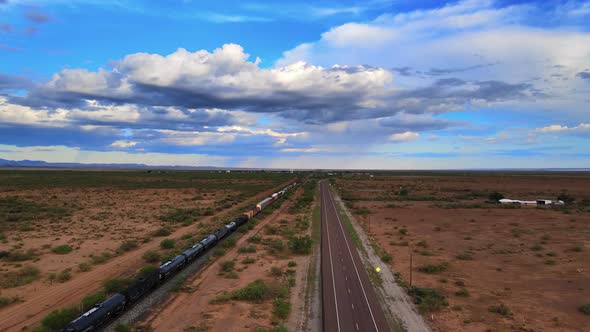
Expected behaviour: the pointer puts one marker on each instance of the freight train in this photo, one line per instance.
(103, 312)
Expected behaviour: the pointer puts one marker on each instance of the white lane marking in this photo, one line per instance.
(331, 265)
(353, 263)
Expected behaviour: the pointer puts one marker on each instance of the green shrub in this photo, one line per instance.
(103, 257)
(227, 266)
(151, 256)
(218, 252)
(57, 319)
(84, 267)
(90, 300)
(62, 249)
(146, 270)
(64, 275)
(386, 258)
(300, 245)
(255, 239)
(281, 308)
(5, 301)
(18, 256)
(167, 243)
(122, 327)
(291, 264)
(463, 292)
(276, 271)
(465, 256)
(500, 310)
(116, 285)
(536, 247)
(428, 299)
(256, 291)
(566, 198)
(127, 245)
(161, 232)
(247, 249)
(585, 309)
(229, 243)
(248, 260)
(24, 276)
(434, 268)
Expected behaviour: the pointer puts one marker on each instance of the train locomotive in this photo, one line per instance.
(100, 313)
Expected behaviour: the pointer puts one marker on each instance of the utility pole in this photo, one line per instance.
(410, 267)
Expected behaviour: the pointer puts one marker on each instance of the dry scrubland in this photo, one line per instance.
(56, 226)
(480, 266)
(258, 280)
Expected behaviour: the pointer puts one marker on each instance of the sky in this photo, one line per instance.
(376, 84)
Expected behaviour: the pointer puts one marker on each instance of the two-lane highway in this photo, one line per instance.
(348, 299)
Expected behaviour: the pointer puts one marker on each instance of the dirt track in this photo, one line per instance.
(28, 314)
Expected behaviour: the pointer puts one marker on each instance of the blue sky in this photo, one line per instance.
(323, 84)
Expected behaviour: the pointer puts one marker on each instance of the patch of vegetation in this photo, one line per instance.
(495, 196)
(254, 239)
(281, 308)
(276, 271)
(24, 276)
(62, 249)
(517, 232)
(185, 215)
(116, 285)
(434, 268)
(386, 258)
(463, 292)
(6, 301)
(84, 267)
(247, 249)
(229, 243)
(428, 299)
(90, 300)
(466, 256)
(146, 270)
(167, 243)
(127, 245)
(227, 266)
(256, 291)
(217, 252)
(16, 210)
(566, 198)
(291, 264)
(248, 260)
(58, 319)
(161, 232)
(99, 259)
(536, 247)
(122, 327)
(151, 256)
(501, 309)
(18, 256)
(585, 309)
(300, 245)
(64, 275)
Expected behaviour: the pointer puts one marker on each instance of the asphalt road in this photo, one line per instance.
(349, 302)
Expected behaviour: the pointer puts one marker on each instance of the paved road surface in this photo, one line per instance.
(348, 299)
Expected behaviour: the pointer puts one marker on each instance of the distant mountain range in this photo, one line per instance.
(44, 164)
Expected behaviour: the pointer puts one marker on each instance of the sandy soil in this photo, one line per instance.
(192, 310)
(101, 220)
(533, 260)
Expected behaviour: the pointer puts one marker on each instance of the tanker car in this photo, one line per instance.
(100, 313)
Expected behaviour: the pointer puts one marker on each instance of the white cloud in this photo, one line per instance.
(407, 136)
(123, 144)
(556, 129)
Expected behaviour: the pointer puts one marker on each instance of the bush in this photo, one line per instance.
(500, 310)
(386, 258)
(167, 243)
(255, 239)
(161, 232)
(90, 300)
(291, 264)
(5, 301)
(24, 276)
(248, 260)
(247, 249)
(127, 245)
(256, 291)
(116, 285)
(536, 247)
(62, 250)
(218, 252)
(146, 270)
(431, 268)
(57, 319)
(300, 245)
(276, 271)
(495, 196)
(84, 267)
(227, 266)
(465, 256)
(103, 257)
(463, 292)
(566, 198)
(64, 276)
(428, 299)
(122, 327)
(585, 309)
(281, 308)
(229, 243)
(151, 256)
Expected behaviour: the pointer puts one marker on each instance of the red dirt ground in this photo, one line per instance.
(536, 261)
